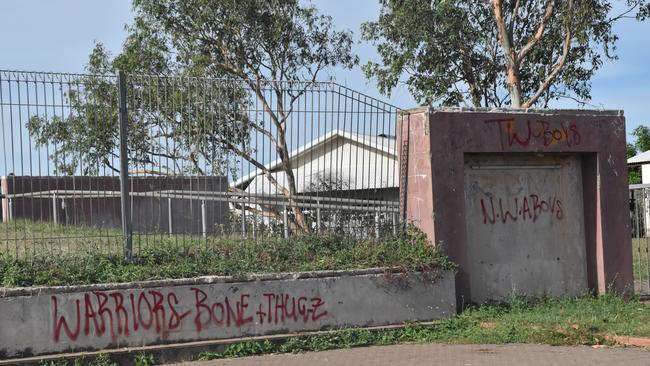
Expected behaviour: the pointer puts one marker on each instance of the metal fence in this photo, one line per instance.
(113, 163)
(640, 225)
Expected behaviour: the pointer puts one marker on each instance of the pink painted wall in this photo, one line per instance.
(439, 140)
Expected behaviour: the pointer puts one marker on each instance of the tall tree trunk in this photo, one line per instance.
(512, 62)
(291, 182)
(514, 85)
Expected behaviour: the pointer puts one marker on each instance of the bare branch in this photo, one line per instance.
(513, 16)
(525, 50)
(558, 66)
(624, 14)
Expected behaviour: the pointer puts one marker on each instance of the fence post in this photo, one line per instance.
(127, 232)
(169, 215)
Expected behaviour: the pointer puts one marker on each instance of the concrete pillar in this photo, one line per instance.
(440, 143)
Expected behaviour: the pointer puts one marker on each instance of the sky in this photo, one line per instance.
(48, 35)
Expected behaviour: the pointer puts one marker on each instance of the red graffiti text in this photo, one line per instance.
(119, 314)
(535, 133)
(524, 208)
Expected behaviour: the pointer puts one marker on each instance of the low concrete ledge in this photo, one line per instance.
(201, 280)
(539, 111)
(46, 320)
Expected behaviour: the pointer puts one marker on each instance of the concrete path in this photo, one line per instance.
(460, 355)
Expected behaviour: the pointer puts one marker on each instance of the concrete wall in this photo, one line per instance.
(150, 214)
(525, 226)
(440, 142)
(37, 321)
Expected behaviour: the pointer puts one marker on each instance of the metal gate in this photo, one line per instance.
(640, 231)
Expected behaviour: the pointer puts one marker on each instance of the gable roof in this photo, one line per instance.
(381, 143)
(642, 158)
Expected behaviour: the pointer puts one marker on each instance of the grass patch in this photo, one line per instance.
(569, 322)
(166, 259)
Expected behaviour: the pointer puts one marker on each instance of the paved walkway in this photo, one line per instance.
(461, 355)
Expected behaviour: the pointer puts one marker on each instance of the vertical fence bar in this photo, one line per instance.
(318, 217)
(204, 219)
(243, 219)
(169, 215)
(124, 167)
(285, 220)
(646, 208)
(55, 210)
(377, 225)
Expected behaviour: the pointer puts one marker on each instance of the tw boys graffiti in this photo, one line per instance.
(525, 208)
(121, 314)
(535, 133)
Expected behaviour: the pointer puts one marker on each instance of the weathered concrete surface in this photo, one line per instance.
(66, 319)
(525, 226)
(440, 141)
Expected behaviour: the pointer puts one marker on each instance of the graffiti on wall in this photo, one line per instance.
(530, 207)
(126, 313)
(534, 132)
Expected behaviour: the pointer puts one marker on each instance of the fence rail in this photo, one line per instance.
(130, 160)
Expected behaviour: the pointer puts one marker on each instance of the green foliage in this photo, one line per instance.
(101, 360)
(144, 359)
(448, 52)
(631, 150)
(167, 258)
(634, 175)
(162, 133)
(243, 47)
(274, 40)
(224, 75)
(641, 135)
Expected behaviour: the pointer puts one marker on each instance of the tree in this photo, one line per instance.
(274, 49)
(163, 139)
(495, 53)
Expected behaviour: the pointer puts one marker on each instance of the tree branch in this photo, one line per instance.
(504, 36)
(513, 16)
(256, 164)
(558, 67)
(625, 13)
(525, 50)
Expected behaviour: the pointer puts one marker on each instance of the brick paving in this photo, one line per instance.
(440, 354)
